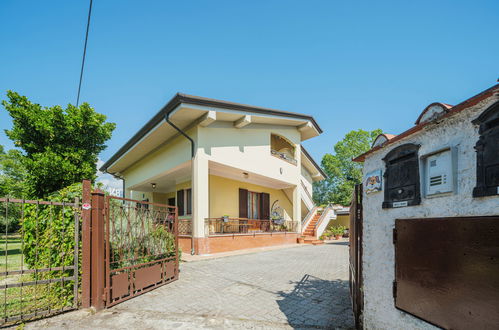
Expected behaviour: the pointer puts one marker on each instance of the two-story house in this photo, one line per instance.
(237, 173)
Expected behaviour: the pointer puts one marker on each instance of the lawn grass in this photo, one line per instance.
(22, 301)
(28, 299)
(11, 252)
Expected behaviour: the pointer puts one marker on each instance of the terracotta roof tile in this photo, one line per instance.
(452, 111)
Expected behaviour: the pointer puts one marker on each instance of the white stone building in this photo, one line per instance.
(432, 173)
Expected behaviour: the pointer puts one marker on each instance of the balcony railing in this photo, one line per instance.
(221, 226)
(283, 156)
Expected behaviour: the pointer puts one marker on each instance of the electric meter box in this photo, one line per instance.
(439, 173)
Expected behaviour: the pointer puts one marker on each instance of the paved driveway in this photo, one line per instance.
(302, 287)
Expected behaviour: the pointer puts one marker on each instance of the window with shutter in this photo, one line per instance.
(188, 201)
(254, 205)
(171, 201)
(243, 203)
(180, 202)
(402, 187)
(265, 206)
(487, 153)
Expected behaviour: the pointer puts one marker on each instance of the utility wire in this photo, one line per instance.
(84, 53)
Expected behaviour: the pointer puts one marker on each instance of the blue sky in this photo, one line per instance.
(350, 64)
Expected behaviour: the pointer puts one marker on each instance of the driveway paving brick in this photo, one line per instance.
(302, 288)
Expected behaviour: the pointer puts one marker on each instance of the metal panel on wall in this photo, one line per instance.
(447, 271)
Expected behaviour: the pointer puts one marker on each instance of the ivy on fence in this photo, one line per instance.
(49, 242)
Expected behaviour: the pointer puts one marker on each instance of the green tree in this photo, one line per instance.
(343, 173)
(12, 184)
(60, 146)
(12, 174)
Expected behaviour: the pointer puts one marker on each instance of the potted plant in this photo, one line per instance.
(338, 231)
(225, 218)
(329, 234)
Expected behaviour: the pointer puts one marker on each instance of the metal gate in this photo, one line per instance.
(447, 270)
(141, 247)
(356, 255)
(39, 267)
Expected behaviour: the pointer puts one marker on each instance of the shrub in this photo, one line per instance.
(338, 230)
(9, 224)
(137, 237)
(48, 234)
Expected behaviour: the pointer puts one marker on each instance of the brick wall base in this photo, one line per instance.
(184, 243)
(226, 243)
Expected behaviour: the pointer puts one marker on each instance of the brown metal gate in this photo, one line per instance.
(356, 255)
(447, 270)
(141, 247)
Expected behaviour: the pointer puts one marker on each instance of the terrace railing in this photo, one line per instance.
(230, 226)
(283, 156)
(185, 227)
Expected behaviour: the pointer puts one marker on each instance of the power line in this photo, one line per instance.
(84, 53)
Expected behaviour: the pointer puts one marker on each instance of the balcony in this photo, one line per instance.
(232, 226)
(282, 148)
(283, 156)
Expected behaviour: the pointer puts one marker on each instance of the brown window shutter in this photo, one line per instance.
(188, 207)
(243, 203)
(265, 206)
(180, 202)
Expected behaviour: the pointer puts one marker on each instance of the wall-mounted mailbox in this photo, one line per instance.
(402, 177)
(487, 153)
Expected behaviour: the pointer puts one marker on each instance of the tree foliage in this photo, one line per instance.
(60, 146)
(343, 173)
(12, 184)
(12, 174)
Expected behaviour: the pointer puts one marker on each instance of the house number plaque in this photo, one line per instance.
(399, 204)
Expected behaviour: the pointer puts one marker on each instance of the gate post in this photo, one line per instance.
(97, 264)
(86, 244)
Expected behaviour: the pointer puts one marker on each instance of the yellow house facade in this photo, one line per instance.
(238, 174)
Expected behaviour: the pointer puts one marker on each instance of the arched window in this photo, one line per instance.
(282, 148)
(487, 153)
(402, 177)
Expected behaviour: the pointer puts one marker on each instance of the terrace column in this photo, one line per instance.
(297, 191)
(200, 199)
(297, 208)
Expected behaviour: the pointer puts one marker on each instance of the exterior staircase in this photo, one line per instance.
(309, 232)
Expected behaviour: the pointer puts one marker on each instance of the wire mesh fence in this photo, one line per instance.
(39, 260)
